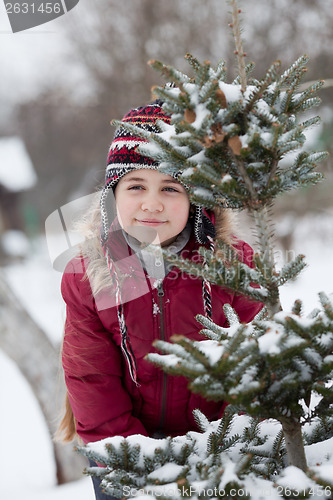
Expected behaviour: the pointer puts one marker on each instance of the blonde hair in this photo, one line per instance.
(66, 432)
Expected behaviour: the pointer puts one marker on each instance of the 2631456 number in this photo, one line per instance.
(33, 8)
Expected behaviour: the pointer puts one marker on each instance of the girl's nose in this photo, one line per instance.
(151, 203)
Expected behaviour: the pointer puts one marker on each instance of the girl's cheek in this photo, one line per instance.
(180, 209)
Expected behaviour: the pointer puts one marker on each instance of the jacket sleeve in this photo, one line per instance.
(245, 307)
(93, 367)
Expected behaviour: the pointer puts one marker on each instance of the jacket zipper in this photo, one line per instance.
(160, 294)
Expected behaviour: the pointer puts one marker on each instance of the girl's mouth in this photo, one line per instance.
(151, 222)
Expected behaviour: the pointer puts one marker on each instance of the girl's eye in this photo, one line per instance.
(135, 187)
(170, 189)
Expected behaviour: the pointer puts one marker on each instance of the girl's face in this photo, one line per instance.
(151, 206)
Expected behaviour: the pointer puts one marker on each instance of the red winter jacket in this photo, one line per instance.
(104, 399)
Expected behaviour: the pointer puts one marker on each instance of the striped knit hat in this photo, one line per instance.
(123, 158)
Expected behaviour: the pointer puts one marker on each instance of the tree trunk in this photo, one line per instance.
(294, 443)
(38, 360)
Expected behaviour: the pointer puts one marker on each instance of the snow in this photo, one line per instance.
(147, 445)
(166, 472)
(270, 342)
(201, 114)
(266, 139)
(203, 193)
(211, 349)
(322, 449)
(325, 471)
(232, 92)
(247, 383)
(314, 238)
(37, 286)
(200, 109)
(197, 158)
(15, 243)
(292, 477)
(22, 428)
(16, 169)
(229, 476)
(190, 170)
(152, 149)
(22, 432)
(226, 178)
(156, 309)
(257, 488)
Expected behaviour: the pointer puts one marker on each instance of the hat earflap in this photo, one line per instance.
(204, 228)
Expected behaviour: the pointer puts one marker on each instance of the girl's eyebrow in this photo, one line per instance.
(140, 179)
(171, 181)
(137, 179)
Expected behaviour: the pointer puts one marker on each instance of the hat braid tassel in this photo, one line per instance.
(125, 341)
(206, 286)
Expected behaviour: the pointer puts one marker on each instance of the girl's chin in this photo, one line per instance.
(149, 235)
(167, 242)
(143, 234)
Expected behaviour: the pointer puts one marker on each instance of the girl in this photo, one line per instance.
(120, 297)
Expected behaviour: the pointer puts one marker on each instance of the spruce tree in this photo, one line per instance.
(230, 142)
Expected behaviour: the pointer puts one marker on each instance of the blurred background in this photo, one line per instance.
(61, 84)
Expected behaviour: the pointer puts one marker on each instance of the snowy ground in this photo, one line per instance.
(37, 286)
(22, 427)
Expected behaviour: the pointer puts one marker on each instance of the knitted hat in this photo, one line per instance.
(122, 159)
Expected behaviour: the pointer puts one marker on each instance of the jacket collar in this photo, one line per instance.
(126, 257)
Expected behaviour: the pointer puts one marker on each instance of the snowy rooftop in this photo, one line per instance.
(17, 172)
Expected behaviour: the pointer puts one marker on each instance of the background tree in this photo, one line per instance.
(38, 360)
(66, 128)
